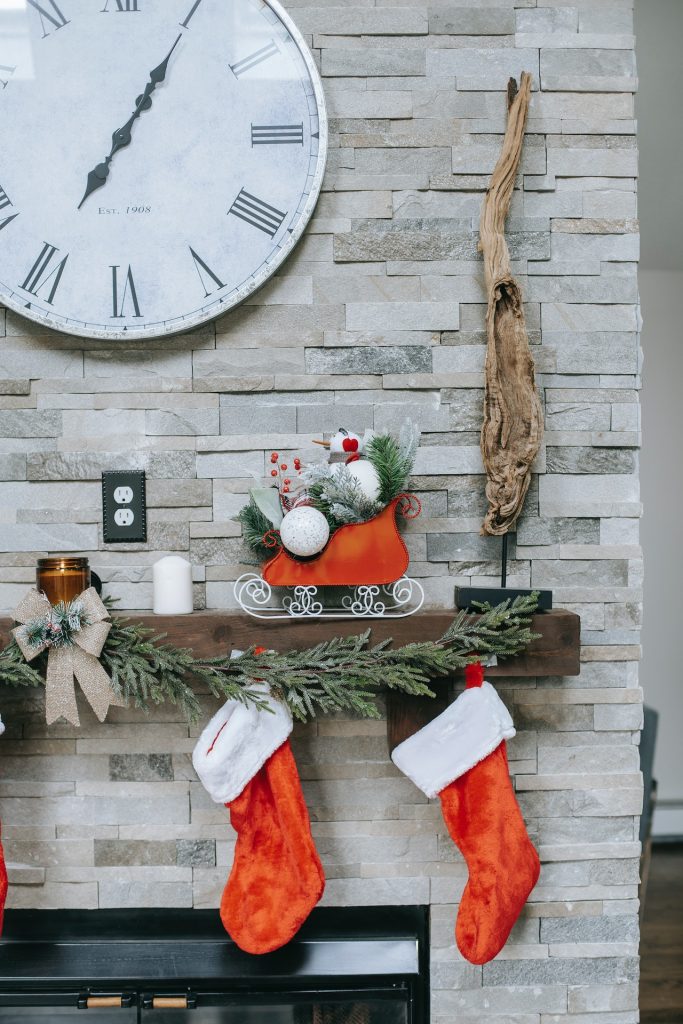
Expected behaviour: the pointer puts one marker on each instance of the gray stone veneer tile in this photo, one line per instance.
(378, 314)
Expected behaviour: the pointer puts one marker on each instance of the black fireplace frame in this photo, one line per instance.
(61, 958)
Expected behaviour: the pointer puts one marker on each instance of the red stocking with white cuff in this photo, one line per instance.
(461, 757)
(244, 759)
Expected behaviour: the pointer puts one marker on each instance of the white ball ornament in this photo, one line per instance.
(367, 476)
(304, 531)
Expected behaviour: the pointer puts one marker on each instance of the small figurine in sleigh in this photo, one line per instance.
(328, 533)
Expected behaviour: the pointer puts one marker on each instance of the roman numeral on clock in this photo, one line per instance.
(277, 134)
(186, 23)
(51, 15)
(256, 212)
(5, 70)
(5, 201)
(120, 296)
(204, 271)
(247, 63)
(46, 270)
(122, 6)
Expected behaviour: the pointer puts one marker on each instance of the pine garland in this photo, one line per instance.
(16, 671)
(145, 671)
(343, 674)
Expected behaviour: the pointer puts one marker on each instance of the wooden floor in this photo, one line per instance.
(661, 947)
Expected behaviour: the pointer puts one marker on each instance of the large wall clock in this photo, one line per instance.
(159, 158)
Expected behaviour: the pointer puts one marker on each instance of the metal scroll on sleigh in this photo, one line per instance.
(361, 573)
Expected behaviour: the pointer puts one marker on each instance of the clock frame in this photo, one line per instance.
(31, 285)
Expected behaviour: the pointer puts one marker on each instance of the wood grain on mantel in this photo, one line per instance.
(555, 653)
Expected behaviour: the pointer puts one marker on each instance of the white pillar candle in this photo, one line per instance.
(172, 578)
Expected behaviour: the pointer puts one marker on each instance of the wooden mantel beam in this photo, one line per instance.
(555, 653)
(210, 633)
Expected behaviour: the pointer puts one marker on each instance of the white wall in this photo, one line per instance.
(659, 32)
(662, 531)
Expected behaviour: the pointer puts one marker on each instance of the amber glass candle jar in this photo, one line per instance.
(62, 578)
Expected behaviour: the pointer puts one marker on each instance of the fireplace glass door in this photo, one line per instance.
(349, 1009)
(47, 1014)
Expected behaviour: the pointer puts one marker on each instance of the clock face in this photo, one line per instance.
(160, 158)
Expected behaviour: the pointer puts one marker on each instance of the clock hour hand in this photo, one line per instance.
(122, 137)
(98, 176)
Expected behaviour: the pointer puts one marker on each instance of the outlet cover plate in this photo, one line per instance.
(124, 506)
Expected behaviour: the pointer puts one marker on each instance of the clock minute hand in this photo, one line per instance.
(159, 73)
(122, 137)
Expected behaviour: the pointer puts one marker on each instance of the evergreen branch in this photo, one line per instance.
(254, 526)
(338, 495)
(145, 670)
(318, 500)
(393, 460)
(16, 671)
(502, 631)
(343, 674)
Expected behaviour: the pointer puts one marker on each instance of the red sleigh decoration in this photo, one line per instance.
(370, 553)
(370, 557)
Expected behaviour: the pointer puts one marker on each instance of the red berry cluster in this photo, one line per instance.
(284, 483)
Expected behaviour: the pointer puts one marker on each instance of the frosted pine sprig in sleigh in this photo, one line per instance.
(328, 532)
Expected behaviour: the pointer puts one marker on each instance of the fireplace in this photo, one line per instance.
(346, 966)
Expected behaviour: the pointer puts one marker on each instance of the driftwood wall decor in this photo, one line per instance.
(513, 418)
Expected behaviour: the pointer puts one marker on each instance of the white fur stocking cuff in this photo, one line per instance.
(236, 744)
(464, 734)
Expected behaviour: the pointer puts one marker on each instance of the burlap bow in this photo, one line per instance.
(79, 661)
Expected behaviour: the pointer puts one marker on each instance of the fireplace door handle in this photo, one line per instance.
(105, 1001)
(187, 1001)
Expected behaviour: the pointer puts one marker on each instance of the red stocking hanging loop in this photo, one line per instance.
(474, 675)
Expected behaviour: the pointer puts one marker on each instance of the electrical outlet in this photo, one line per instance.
(124, 517)
(124, 506)
(123, 495)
